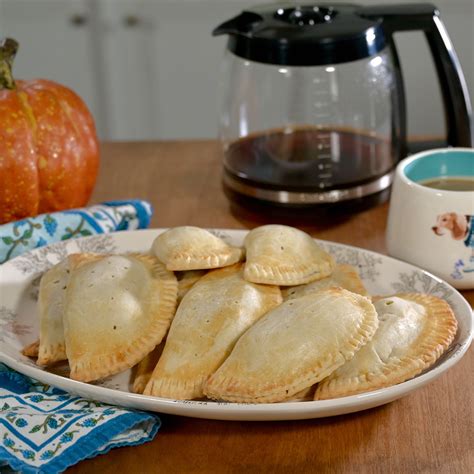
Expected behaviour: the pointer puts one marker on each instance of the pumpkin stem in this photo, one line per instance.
(8, 49)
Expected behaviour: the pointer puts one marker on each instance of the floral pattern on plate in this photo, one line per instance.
(10, 328)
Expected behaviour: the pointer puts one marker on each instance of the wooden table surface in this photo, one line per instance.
(430, 430)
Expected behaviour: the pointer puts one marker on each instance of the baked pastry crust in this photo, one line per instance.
(344, 276)
(294, 346)
(186, 280)
(31, 350)
(118, 308)
(414, 330)
(215, 312)
(286, 256)
(51, 299)
(144, 369)
(193, 248)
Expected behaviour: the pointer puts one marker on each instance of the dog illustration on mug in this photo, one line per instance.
(461, 227)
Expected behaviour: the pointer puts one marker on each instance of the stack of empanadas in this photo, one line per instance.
(273, 321)
(103, 313)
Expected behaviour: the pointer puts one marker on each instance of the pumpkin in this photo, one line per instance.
(49, 153)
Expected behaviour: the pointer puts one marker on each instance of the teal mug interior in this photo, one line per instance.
(441, 164)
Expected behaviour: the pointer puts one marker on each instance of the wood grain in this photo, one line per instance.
(430, 430)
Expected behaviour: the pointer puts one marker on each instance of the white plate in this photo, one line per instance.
(19, 280)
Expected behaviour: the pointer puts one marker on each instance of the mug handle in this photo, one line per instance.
(425, 17)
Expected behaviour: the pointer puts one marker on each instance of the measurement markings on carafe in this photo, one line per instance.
(322, 115)
(324, 158)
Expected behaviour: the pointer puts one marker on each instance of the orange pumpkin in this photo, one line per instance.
(49, 153)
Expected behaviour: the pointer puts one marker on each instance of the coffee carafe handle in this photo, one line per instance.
(425, 17)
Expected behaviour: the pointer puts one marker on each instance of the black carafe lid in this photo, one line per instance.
(303, 34)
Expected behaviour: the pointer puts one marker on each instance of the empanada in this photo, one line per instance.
(282, 255)
(31, 350)
(294, 346)
(145, 367)
(193, 248)
(344, 276)
(118, 308)
(414, 330)
(51, 298)
(186, 280)
(211, 317)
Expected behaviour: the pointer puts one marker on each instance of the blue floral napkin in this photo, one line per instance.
(46, 430)
(43, 429)
(27, 234)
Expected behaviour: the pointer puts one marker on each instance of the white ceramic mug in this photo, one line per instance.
(434, 228)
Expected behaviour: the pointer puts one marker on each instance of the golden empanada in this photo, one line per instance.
(186, 280)
(118, 308)
(145, 367)
(31, 350)
(294, 346)
(344, 276)
(282, 255)
(51, 298)
(305, 395)
(192, 248)
(211, 317)
(414, 330)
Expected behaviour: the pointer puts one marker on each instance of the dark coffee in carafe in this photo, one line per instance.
(309, 158)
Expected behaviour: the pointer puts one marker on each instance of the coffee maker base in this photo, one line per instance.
(251, 207)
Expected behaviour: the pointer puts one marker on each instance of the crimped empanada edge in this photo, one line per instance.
(144, 369)
(264, 274)
(437, 340)
(50, 353)
(164, 384)
(326, 366)
(225, 257)
(170, 387)
(98, 366)
(347, 270)
(139, 383)
(351, 272)
(31, 350)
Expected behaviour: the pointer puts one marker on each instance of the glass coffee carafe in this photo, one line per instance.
(312, 103)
